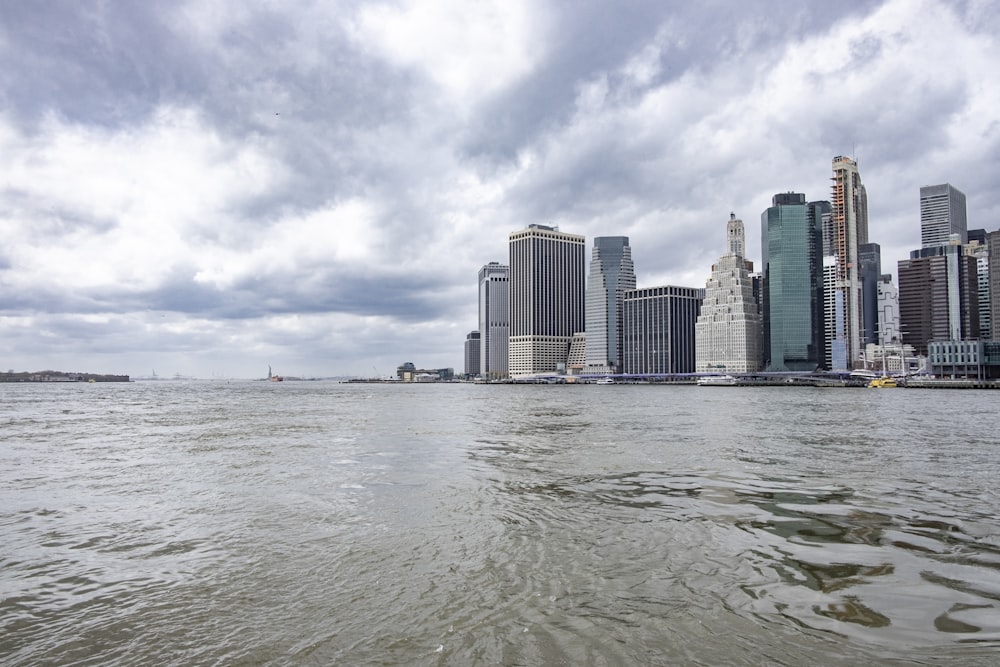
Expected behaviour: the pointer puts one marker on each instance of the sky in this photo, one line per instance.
(209, 188)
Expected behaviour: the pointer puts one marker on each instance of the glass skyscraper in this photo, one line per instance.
(792, 249)
(870, 259)
(611, 273)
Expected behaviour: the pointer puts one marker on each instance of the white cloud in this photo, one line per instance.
(470, 50)
(338, 234)
(125, 207)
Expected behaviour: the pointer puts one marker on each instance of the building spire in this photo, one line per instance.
(735, 237)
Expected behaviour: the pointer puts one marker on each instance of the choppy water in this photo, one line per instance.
(318, 523)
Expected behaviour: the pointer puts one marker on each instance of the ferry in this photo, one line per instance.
(606, 380)
(717, 381)
(884, 382)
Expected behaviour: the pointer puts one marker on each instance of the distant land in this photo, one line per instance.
(60, 376)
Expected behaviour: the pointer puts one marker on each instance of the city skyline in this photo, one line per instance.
(211, 189)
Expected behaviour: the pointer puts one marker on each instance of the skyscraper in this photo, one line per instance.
(870, 269)
(833, 316)
(547, 286)
(792, 247)
(472, 351)
(611, 274)
(938, 296)
(942, 213)
(659, 325)
(978, 248)
(728, 332)
(494, 320)
(993, 250)
(849, 219)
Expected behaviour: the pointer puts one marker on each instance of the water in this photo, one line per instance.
(318, 524)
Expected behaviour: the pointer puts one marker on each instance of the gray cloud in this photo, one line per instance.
(321, 183)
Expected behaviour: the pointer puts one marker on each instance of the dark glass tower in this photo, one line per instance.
(870, 260)
(792, 248)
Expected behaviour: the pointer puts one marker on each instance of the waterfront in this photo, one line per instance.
(319, 523)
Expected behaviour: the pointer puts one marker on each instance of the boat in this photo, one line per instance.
(274, 378)
(606, 380)
(884, 382)
(717, 381)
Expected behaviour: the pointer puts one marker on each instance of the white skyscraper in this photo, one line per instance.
(547, 285)
(833, 316)
(728, 330)
(611, 273)
(494, 320)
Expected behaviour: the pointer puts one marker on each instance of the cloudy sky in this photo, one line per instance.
(210, 187)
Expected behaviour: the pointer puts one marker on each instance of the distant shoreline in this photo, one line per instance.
(61, 376)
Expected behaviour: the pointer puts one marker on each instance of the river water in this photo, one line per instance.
(315, 523)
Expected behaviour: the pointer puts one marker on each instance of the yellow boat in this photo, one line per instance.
(884, 382)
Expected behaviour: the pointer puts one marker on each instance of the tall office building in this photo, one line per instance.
(728, 331)
(494, 320)
(472, 351)
(792, 267)
(870, 270)
(833, 316)
(942, 213)
(993, 250)
(547, 295)
(938, 296)
(978, 248)
(659, 326)
(611, 274)
(849, 219)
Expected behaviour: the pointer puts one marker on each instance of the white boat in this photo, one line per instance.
(606, 380)
(717, 381)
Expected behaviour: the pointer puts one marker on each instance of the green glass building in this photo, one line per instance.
(792, 249)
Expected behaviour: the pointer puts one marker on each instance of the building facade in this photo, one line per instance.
(611, 275)
(938, 296)
(849, 220)
(967, 359)
(494, 320)
(728, 329)
(870, 269)
(472, 351)
(993, 253)
(977, 248)
(942, 214)
(659, 325)
(547, 296)
(576, 360)
(888, 310)
(792, 269)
